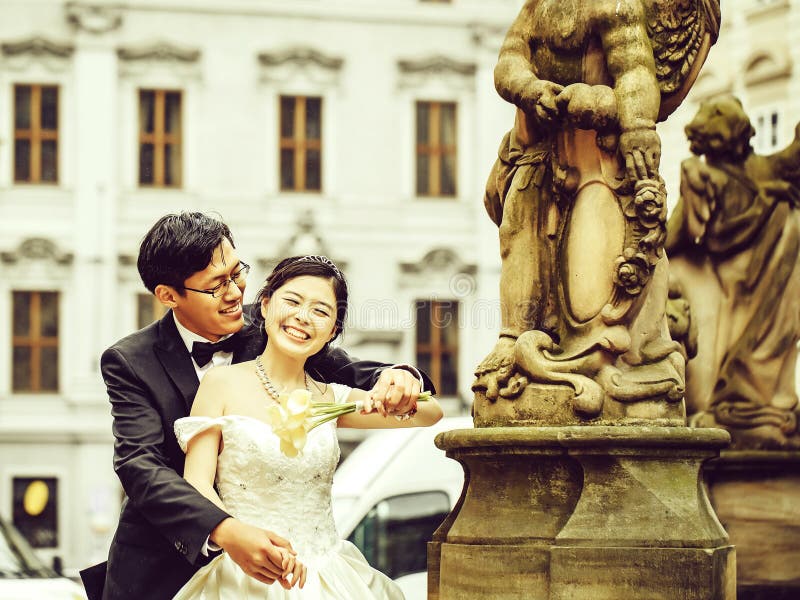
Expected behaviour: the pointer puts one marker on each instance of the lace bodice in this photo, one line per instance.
(260, 485)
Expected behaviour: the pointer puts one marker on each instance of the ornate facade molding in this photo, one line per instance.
(710, 84)
(441, 260)
(36, 249)
(437, 65)
(488, 37)
(162, 59)
(302, 56)
(159, 51)
(37, 46)
(300, 62)
(436, 69)
(304, 239)
(763, 66)
(94, 18)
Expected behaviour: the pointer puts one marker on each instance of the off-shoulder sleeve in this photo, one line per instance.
(340, 392)
(188, 427)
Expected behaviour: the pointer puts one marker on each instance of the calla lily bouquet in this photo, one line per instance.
(294, 415)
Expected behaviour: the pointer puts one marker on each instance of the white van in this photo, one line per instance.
(391, 494)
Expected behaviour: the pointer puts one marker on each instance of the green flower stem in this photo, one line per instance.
(323, 412)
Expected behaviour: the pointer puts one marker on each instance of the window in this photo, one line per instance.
(437, 343)
(767, 126)
(35, 511)
(35, 342)
(393, 536)
(301, 143)
(36, 133)
(436, 149)
(160, 138)
(148, 309)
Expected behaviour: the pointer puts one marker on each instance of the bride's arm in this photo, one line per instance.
(428, 413)
(200, 468)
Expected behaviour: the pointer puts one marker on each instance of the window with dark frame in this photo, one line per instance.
(300, 143)
(160, 145)
(35, 510)
(148, 310)
(34, 341)
(36, 134)
(437, 343)
(436, 149)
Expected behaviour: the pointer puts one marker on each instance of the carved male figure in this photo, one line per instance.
(579, 202)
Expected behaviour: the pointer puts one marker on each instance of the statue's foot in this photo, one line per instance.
(496, 376)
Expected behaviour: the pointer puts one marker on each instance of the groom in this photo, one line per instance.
(167, 529)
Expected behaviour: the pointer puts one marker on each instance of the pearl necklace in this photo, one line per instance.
(261, 373)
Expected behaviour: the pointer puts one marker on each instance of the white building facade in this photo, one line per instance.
(360, 129)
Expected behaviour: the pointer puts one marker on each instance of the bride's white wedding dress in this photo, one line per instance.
(292, 497)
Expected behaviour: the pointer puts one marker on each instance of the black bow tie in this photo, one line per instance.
(203, 351)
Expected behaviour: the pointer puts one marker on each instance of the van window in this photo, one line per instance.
(394, 533)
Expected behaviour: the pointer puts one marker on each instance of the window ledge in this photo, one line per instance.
(756, 10)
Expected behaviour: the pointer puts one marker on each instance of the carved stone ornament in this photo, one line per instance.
(419, 72)
(767, 65)
(159, 51)
(734, 247)
(37, 249)
(164, 58)
(581, 210)
(18, 55)
(94, 18)
(488, 37)
(439, 259)
(300, 61)
(38, 46)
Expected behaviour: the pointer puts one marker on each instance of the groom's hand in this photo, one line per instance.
(396, 392)
(260, 553)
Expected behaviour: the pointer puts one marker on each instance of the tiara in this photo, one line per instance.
(324, 260)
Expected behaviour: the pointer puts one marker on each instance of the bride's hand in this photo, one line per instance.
(260, 553)
(295, 569)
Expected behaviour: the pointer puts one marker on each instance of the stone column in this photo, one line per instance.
(94, 290)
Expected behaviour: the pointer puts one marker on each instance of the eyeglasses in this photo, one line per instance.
(219, 290)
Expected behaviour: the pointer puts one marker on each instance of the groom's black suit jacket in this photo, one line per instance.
(164, 522)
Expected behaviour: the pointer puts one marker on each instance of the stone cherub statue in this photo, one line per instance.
(734, 246)
(580, 206)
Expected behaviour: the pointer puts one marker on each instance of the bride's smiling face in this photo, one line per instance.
(300, 316)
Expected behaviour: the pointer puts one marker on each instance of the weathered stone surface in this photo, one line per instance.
(582, 512)
(581, 207)
(756, 495)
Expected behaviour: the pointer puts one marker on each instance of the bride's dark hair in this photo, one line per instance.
(314, 266)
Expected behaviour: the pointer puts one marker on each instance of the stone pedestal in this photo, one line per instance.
(756, 495)
(582, 512)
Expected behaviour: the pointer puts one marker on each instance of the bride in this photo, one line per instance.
(234, 458)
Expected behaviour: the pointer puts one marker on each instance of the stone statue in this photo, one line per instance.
(580, 206)
(734, 246)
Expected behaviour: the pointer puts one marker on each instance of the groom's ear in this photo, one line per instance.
(166, 295)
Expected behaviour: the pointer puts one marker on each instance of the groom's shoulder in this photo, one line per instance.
(137, 344)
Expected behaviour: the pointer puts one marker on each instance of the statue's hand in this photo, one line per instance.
(588, 106)
(539, 100)
(641, 150)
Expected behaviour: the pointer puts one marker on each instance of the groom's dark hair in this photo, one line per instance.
(178, 246)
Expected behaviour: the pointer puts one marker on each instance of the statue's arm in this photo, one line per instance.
(514, 75)
(630, 62)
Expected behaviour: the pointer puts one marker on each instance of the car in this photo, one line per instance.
(392, 493)
(23, 576)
